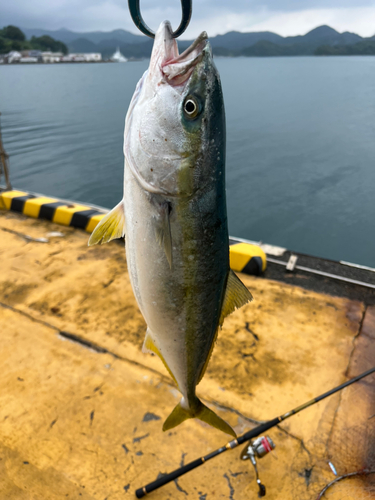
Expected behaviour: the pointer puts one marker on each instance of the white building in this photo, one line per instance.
(14, 56)
(118, 57)
(52, 57)
(92, 57)
(28, 59)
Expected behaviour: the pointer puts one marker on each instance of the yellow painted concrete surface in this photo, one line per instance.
(82, 423)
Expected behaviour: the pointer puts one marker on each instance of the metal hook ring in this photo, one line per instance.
(135, 13)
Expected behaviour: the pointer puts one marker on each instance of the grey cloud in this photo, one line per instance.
(85, 15)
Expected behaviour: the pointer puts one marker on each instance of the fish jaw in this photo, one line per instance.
(167, 65)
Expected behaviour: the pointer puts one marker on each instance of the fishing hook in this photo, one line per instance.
(136, 15)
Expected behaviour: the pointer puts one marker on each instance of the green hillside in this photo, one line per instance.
(12, 38)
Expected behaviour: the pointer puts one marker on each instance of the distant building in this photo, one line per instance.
(91, 57)
(14, 56)
(118, 57)
(35, 53)
(30, 55)
(28, 59)
(52, 57)
(73, 58)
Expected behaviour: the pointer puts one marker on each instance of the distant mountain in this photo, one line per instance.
(82, 45)
(235, 40)
(233, 43)
(96, 37)
(293, 45)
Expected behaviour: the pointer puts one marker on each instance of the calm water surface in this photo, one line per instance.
(300, 144)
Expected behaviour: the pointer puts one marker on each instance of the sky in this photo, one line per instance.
(285, 17)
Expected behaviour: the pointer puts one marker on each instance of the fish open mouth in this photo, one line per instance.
(177, 68)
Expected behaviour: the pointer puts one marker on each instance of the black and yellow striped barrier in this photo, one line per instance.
(244, 257)
(58, 211)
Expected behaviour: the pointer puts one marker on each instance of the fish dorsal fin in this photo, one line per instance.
(236, 296)
(149, 346)
(163, 232)
(112, 226)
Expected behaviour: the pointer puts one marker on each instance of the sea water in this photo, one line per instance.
(300, 144)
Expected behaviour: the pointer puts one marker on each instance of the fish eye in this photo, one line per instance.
(191, 107)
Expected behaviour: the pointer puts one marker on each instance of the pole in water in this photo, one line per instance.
(136, 15)
(141, 492)
(4, 163)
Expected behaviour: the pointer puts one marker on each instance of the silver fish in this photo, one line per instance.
(174, 215)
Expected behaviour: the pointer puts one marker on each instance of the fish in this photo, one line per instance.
(174, 218)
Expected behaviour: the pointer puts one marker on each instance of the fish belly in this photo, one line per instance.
(181, 304)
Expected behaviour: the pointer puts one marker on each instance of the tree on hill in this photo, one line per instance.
(364, 48)
(12, 33)
(12, 38)
(47, 43)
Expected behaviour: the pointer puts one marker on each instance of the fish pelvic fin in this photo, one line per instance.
(236, 296)
(149, 346)
(202, 412)
(112, 226)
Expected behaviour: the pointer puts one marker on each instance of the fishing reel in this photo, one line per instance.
(258, 449)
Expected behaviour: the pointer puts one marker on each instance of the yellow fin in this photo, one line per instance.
(177, 416)
(236, 295)
(149, 346)
(112, 226)
(202, 412)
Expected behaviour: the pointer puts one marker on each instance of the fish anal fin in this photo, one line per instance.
(202, 412)
(112, 226)
(163, 231)
(236, 296)
(149, 346)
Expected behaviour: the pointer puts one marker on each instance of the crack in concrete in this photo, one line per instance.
(300, 440)
(231, 489)
(176, 480)
(14, 309)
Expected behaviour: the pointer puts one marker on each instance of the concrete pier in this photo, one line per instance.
(82, 408)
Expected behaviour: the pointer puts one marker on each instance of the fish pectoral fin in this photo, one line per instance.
(236, 295)
(202, 412)
(149, 346)
(112, 226)
(163, 231)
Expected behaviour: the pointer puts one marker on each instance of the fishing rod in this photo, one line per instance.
(257, 448)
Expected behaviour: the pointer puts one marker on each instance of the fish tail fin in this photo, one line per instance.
(202, 412)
